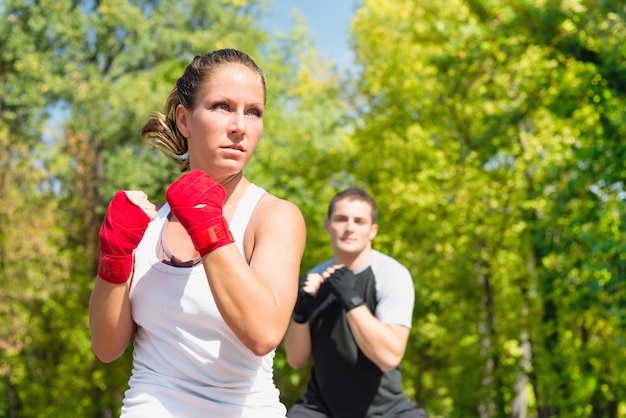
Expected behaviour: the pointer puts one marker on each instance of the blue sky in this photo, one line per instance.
(328, 22)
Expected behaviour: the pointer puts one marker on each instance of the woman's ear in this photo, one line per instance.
(182, 122)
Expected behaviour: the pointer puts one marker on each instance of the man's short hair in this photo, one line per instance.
(354, 193)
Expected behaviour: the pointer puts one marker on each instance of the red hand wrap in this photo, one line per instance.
(121, 231)
(197, 200)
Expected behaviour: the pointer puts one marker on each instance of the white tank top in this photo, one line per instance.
(186, 360)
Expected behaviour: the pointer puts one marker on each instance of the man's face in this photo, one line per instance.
(350, 227)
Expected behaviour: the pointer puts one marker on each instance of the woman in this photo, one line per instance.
(205, 283)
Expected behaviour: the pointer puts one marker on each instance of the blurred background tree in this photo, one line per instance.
(491, 134)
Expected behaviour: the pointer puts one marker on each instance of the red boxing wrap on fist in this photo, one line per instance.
(121, 232)
(196, 200)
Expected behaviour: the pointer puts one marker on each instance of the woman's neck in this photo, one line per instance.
(235, 189)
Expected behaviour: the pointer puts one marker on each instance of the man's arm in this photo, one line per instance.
(298, 344)
(383, 344)
(297, 340)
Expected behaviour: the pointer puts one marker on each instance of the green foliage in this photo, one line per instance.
(495, 128)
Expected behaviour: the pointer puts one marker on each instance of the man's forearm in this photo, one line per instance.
(297, 344)
(383, 344)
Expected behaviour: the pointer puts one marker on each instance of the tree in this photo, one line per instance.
(495, 129)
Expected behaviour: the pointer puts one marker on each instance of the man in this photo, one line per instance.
(353, 318)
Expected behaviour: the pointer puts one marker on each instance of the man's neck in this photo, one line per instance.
(354, 261)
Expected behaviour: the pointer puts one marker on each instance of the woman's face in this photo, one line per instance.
(226, 122)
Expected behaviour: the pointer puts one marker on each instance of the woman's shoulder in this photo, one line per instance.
(275, 213)
(276, 220)
(273, 206)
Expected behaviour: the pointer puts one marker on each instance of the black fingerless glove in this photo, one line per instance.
(343, 285)
(302, 310)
